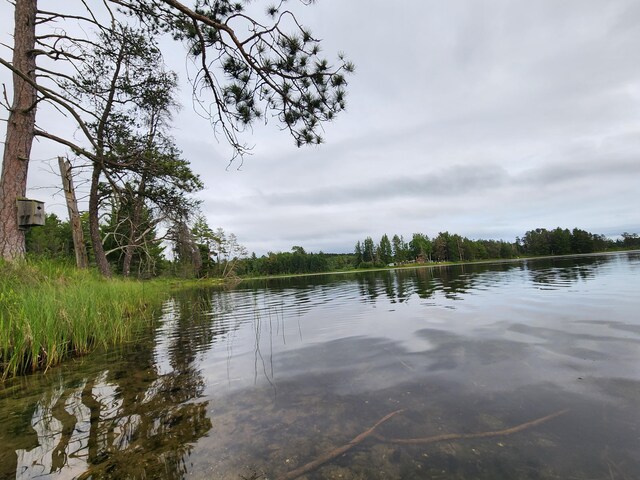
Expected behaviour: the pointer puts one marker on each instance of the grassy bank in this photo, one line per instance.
(50, 311)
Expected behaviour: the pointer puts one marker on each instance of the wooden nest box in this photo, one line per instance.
(30, 213)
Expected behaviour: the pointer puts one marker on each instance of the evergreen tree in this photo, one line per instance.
(368, 250)
(52, 240)
(560, 241)
(441, 247)
(385, 253)
(581, 241)
(420, 247)
(358, 254)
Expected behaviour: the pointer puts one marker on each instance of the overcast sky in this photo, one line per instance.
(484, 118)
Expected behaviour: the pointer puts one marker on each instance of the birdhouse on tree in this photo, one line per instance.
(30, 213)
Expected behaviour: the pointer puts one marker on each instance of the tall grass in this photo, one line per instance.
(49, 310)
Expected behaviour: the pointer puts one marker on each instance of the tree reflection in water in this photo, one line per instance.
(454, 281)
(552, 273)
(138, 418)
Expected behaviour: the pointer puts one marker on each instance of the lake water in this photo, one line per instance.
(263, 379)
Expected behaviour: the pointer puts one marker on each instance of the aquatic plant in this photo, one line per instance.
(49, 311)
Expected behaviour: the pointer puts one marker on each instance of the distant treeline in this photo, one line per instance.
(295, 262)
(199, 251)
(448, 247)
(445, 247)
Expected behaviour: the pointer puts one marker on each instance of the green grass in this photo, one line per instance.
(49, 311)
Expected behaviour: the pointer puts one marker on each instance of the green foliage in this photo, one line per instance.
(366, 265)
(441, 246)
(50, 310)
(581, 241)
(536, 242)
(385, 254)
(368, 250)
(52, 240)
(448, 247)
(420, 247)
(208, 245)
(188, 256)
(358, 253)
(296, 262)
(127, 99)
(562, 242)
(270, 65)
(111, 83)
(401, 250)
(285, 263)
(130, 240)
(199, 251)
(202, 252)
(629, 240)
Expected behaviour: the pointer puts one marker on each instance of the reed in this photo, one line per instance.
(49, 311)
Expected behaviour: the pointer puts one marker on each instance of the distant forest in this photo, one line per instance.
(199, 251)
(445, 247)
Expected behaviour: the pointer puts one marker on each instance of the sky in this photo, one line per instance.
(483, 118)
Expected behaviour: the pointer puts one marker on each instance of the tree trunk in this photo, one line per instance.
(94, 223)
(20, 132)
(136, 215)
(128, 257)
(74, 217)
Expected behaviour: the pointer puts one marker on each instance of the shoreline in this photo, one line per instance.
(434, 265)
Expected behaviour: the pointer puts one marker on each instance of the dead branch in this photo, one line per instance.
(5, 102)
(74, 147)
(309, 467)
(464, 436)
(54, 97)
(337, 451)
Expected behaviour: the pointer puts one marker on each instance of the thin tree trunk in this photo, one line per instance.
(94, 224)
(136, 215)
(131, 244)
(94, 201)
(74, 217)
(128, 257)
(20, 132)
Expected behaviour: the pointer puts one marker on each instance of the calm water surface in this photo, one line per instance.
(258, 381)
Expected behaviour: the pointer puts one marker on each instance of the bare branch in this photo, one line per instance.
(5, 96)
(63, 141)
(53, 96)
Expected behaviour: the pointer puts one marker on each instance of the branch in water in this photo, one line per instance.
(337, 451)
(462, 436)
(293, 474)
